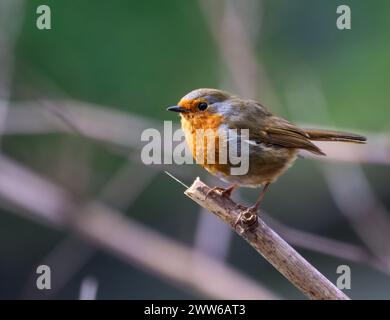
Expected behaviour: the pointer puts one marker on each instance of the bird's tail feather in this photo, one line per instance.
(330, 135)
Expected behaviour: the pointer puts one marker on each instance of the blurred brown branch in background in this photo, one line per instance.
(119, 132)
(236, 40)
(336, 248)
(26, 193)
(348, 185)
(123, 129)
(11, 19)
(77, 253)
(356, 200)
(273, 248)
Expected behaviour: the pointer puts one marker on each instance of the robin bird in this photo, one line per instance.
(274, 142)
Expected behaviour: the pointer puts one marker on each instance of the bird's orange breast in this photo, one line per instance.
(199, 129)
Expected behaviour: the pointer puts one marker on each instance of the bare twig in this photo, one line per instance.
(316, 243)
(282, 256)
(324, 245)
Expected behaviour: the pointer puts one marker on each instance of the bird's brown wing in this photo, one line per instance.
(276, 131)
(285, 134)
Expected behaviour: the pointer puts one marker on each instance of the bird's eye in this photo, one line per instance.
(202, 106)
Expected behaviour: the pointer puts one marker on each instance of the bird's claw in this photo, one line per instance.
(224, 192)
(247, 219)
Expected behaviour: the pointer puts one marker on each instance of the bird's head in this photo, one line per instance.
(201, 102)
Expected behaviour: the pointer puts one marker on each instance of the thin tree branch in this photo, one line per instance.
(324, 245)
(273, 248)
(316, 243)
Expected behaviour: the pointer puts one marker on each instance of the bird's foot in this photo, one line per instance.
(247, 219)
(224, 192)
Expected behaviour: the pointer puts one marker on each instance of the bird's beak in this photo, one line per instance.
(177, 109)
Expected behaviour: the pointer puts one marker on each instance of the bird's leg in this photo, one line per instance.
(225, 192)
(256, 206)
(249, 216)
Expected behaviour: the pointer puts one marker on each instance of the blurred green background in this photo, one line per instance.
(138, 57)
